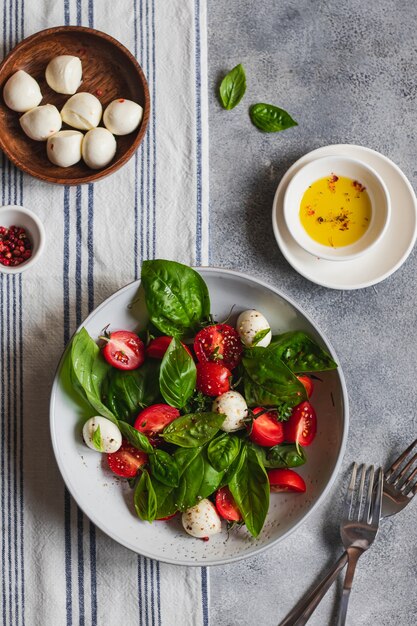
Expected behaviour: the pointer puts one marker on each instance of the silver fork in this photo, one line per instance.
(398, 492)
(360, 523)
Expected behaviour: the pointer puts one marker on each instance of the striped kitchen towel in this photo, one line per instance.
(57, 568)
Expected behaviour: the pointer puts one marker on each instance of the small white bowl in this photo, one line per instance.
(14, 215)
(341, 166)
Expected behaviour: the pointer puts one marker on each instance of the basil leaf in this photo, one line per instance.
(301, 353)
(135, 437)
(89, 371)
(178, 375)
(281, 456)
(233, 87)
(128, 392)
(260, 335)
(268, 381)
(199, 480)
(164, 468)
(96, 439)
(195, 429)
(223, 450)
(145, 498)
(270, 118)
(250, 489)
(176, 297)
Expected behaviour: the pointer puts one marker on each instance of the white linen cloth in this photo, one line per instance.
(57, 568)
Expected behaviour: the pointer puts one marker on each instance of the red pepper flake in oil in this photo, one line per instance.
(358, 186)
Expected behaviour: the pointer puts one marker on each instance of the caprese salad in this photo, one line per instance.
(204, 418)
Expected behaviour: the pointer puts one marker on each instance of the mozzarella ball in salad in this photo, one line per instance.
(64, 73)
(41, 122)
(21, 92)
(64, 148)
(122, 116)
(234, 406)
(99, 147)
(202, 520)
(82, 111)
(109, 437)
(252, 326)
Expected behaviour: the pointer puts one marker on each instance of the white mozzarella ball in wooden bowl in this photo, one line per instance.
(64, 73)
(41, 122)
(82, 111)
(122, 116)
(21, 92)
(64, 148)
(98, 148)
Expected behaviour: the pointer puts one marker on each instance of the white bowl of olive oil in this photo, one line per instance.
(337, 208)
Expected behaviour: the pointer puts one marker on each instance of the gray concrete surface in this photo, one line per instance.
(347, 72)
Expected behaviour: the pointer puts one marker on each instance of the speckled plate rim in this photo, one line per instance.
(225, 561)
(310, 267)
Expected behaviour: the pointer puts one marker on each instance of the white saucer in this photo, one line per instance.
(380, 262)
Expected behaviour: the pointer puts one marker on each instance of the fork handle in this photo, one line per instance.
(303, 610)
(353, 556)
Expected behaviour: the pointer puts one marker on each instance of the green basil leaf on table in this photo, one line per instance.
(233, 87)
(281, 456)
(145, 498)
(260, 335)
(195, 429)
(250, 489)
(223, 450)
(301, 353)
(89, 372)
(135, 437)
(127, 392)
(269, 118)
(97, 440)
(176, 297)
(164, 468)
(268, 381)
(178, 375)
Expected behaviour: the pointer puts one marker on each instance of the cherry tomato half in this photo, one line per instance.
(154, 418)
(226, 505)
(124, 350)
(285, 480)
(302, 426)
(308, 384)
(213, 379)
(266, 429)
(219, 343)
(158, 346)
(127, 460)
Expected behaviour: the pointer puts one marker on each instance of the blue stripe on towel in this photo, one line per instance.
(198, 131)
(2, 431)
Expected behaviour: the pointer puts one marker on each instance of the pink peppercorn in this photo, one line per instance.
(15, 246)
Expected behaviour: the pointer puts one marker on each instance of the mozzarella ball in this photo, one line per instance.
(202, 520)
(249, 324)
(122, 116)
(21, 92)
(99, 147)
(234, 406)
(111, 437)
(64, 148)
(63, 74)
(82, 111)
(41, 122)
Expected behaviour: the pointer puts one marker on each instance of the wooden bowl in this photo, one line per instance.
(110, 71)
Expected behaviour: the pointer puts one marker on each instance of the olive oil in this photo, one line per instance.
(335, 211)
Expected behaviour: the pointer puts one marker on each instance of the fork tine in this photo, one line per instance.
(391, 470)
(350, 494)
(368, 501)
(401, 478)
(359, 500)
(408, 485)
(376, 513)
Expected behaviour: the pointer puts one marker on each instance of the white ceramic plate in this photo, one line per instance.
(385, 257)
(108, 501)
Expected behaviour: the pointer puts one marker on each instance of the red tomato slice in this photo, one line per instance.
(266, 429)
(124, 350)
(308, 384)
(158, 346)
(127, 460)
(219, 343)
(154, 418)
(213, 379)
(301, 428)
(164, 519)
(285, 480)
(226, 505)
